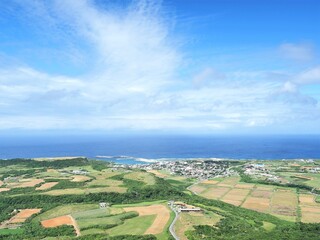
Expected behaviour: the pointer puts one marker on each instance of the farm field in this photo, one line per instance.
(20, 217)
(187, 220)
(138, 219)
(47, 186)
(64, 210)
(60, 221)
(278, 201)
(160, 212)
(144, 177)
(65, 199)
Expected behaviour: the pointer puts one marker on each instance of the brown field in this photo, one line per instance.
(65, 191)
(224, 185)
(158, 174)
(310, 217)
(237, 195)
(231, 181)
(4, 189)
(187, 221)
(163, 216)
(215, 192)
(23, 215)
(310, 209)
(59, 221)
(294, 165)
(50, 170)
(284, 202)
(279, 201)
(257, 204)
(233, 202)
(28, 183)
(197, 188)
(80, 178)
(262, 194)
(46, 186)
(79, 191)
(306, 199)
(107, 189)
(210, 182)
(244, 185)
(302, 177)
(264, 188)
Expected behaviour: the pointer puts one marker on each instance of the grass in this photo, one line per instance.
(139, 204)
(286, 218)
(11, 231)
(102, 221)
(105, 182)
(145, 177)
(79, 191)
(92, 231)
(186, 222)
(94, 213)
(134, 226)
(268, 226)
(315, 182)
(65, 210)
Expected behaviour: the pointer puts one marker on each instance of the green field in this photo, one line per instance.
(134, 226)
(11, 232)
(138, 202)
(65, 210)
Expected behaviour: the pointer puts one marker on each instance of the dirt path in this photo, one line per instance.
(75, 224)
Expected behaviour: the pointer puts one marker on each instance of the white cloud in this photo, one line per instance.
(133, 46)
(300, 52)
(289, 87)
(310, 76)
(134, 84)
(207, 77)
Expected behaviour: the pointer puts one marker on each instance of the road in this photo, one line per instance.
(171, 228)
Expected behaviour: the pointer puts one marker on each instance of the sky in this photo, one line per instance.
(171, 66)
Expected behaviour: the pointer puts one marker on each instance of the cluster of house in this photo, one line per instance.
(201, 169)
(310, 169)
(183, 207)
(79, 172)
(259, 170)
(307, 160)
(11, 179)
(74, 172)
(314, 170)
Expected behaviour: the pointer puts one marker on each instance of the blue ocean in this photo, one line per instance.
(131, 149)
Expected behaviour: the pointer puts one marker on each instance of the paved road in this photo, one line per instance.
(171, 228)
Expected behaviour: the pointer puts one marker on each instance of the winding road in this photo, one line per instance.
(171, 228)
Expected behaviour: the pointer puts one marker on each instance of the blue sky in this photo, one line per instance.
(209, 66)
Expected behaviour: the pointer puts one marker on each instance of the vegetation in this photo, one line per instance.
(232, 222)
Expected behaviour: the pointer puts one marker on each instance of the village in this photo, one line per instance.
(199, 169)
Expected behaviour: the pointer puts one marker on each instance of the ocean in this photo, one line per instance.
(132, 149)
